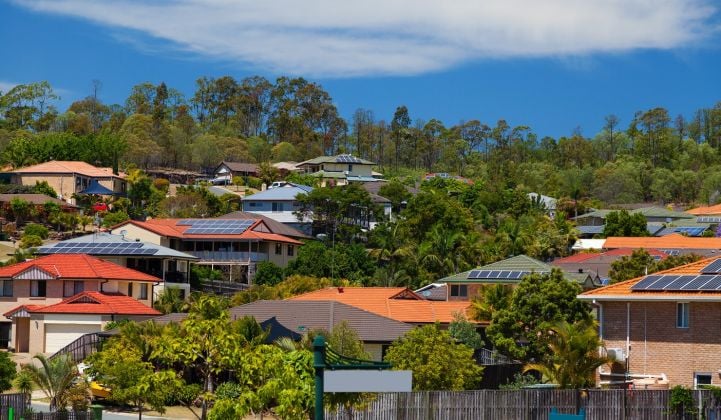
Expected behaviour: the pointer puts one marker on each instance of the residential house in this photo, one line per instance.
(463, 286)
(70, 177)
(664, 325)
(49, 328)
(169, 265)
(50, 279)
(235, 245)
(673, 244)
(279, 204)
(225, 171)
(657, 218)
(339, 170)
(549, 203)
(707, 214)
(598, 264)
(294, 318)
(397, 303)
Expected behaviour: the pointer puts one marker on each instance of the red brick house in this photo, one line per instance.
(664, 325)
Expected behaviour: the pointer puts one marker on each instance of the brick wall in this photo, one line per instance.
(658, 346)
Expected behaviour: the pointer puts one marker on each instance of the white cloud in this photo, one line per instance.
(397, 37)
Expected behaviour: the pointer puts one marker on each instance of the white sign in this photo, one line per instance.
(352, 380)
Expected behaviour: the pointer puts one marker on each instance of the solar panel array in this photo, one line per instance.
(689, 282)
(216, 226)
(496, 274)
(347, 159)
(713, 268)
(106, 248)
(708, 219)
(691, 231)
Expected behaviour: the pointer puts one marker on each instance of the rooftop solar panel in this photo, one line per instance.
(714, 283)
(679, 283)
(473, 274)
(645, 282)
(714, 267)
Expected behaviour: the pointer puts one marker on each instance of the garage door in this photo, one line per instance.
(58, 336)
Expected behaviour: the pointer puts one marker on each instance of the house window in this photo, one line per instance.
(459, 290)
(276, 207)
(72, 288)
(130, 289)
(278, 249)
(144, 291)
(682, 315)
(350, 168)
(290, 250)
(38, 288)
(701, 379)
(7, 288)
(252, 204)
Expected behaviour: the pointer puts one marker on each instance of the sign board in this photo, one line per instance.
(353, 380)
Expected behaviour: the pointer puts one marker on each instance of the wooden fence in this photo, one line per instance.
(16, 401)
(528, 404)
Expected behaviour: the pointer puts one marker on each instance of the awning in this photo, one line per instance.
(96, 188)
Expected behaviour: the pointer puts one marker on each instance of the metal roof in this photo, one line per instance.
(107, 238)
(286, 193)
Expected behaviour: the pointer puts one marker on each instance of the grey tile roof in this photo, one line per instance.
(300, 316)
(104, 237)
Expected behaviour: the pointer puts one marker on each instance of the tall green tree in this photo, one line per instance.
(520, 330)
(437, 361)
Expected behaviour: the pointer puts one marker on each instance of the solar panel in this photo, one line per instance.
(708, 219)
(473, 274)
(714, 267)
(216, 226)
(697, 283)
(679, 283)
(714, 283)
(645, 282)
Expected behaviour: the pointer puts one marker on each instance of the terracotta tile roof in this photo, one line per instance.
(171, 228)
(68, 167)
(588, 256)
(673, 241)
(76, 266)
(93, 303)
(706, 210)
(389, 302)
(622, 290)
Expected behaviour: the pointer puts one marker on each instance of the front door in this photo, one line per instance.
(5, 329)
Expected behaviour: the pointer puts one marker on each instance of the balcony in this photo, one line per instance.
(176, 277)
(228, 256)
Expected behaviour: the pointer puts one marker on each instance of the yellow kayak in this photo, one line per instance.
(99, 391)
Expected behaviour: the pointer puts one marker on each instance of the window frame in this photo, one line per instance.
(459, 288)
(130, 289)
(143, 291)
(291, 250)
(5, 284)
(278, 248)
(696, 376)
(77, 287)
(38, 292)
(683, 315)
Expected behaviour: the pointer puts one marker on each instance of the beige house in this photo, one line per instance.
(663, 328)
(45, 281)
(70, 177)
(220, 243)
(339, 170)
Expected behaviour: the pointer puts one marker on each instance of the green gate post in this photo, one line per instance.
(319, 365)
(11, 413)
(97, 411)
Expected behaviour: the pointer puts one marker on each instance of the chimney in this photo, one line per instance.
(340, 289)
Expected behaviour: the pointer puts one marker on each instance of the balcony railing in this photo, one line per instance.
(226, 256)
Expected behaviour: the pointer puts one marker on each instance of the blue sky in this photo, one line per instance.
(553, 65)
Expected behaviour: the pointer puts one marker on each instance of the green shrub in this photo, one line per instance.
(184, 395)
(30, 241)
(254, 182)
(268, 273)
(114, 218)
(228, 391)
(37, 230)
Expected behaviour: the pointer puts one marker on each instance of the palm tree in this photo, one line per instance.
(440, 251)
(489, 299)
(390, 251)
(574, 355)
(24, 384)
(54, 377)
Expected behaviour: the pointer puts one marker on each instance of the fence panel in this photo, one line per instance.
(16, 401)
(528, 404)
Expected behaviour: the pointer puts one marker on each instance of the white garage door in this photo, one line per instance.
(58, 336)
